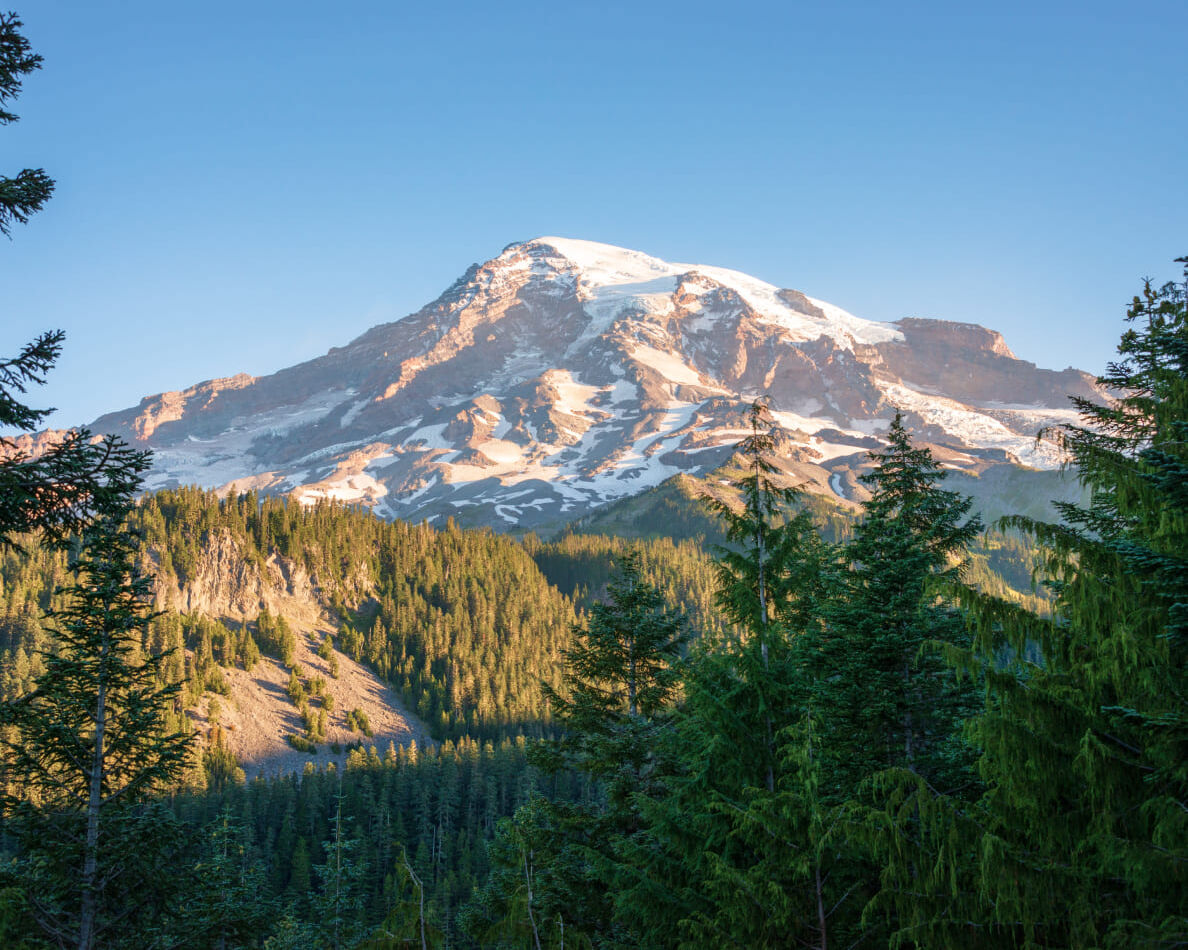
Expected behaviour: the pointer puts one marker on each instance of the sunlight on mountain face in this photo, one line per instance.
(564, 374)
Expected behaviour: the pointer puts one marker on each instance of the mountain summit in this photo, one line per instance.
(564, 374)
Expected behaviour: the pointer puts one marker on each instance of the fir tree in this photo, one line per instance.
(340, 904)
(875, 672)
(30, 189)
(694, 859)
(225, 905)
(621, 677)
(622, 674)
(770, 578)
(88, 744)
(1095, 806)
(1081, 837)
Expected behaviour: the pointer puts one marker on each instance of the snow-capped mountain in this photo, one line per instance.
(564, 374)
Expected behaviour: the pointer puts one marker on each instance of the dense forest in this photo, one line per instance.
(760, 722)
(796, 728)
(804, 730)
(799, 728)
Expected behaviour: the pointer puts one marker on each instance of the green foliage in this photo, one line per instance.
(301, 744)
(585, 563)
(408, 924)
(76, 477)
(527, 900)
(89, 742)
(26, 193)
(884, 694)
(463, 624)
(1093, 804)
(1080, 837)
(434, 807)
(275, 637)
(340, 906)
(356, 721)
(225, 904)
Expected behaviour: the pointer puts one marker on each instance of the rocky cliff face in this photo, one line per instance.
(564, 374)
(227, 585)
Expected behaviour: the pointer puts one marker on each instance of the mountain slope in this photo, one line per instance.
(565, 374)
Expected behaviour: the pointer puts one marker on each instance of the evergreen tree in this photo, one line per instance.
(695, 857)
(225, 904)
(87, 743)
(621, 675)
(342, 879)
(875, 672)
(1096, 808)
(523, 906)
(24, 194)
(1081, 838)
(621, 672)
(408, 924)
(772, 572)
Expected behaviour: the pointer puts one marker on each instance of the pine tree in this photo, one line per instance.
(697, 857)
(621, 678)
(1081, 837)
(342, 879)
(876, 675)
(770, 579)
(621, 672)
(25, 194)
(87, 743)
(1095, 806)
(225, 904)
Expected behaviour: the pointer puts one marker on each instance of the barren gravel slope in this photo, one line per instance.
(258, 714)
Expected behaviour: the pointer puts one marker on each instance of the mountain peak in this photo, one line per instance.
(616, 277)
(563, 374)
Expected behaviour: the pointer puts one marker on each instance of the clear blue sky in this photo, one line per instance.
(243, 185)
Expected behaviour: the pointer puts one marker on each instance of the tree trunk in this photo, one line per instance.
(759, 556)
(631, 704)
(531, 916)
(908, 751)
(822, 926)
(88, 910)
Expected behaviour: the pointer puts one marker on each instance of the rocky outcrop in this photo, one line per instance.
(224, 583)
(972, 364)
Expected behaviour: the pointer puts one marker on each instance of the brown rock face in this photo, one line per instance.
(972, 364)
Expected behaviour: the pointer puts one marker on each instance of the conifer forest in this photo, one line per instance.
(758, 720)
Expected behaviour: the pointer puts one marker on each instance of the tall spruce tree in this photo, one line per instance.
(770, 576)
(876, 674)
(87, 746)
(1094, 808)
(697, 861)
(1081, 837)
(873, 678)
